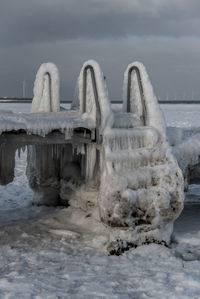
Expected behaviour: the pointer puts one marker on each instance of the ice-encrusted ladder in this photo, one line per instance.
(121, 157)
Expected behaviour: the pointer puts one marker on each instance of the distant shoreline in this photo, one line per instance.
(29, 100)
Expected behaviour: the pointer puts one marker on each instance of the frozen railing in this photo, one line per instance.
(139, 98)
(46, 89)
(134, 69)
(89, 70)
(92, 96)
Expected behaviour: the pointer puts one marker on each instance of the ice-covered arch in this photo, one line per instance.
(46, 89)
(92, 96)
(139, 97)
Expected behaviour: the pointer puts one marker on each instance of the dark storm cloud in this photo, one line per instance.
(163, 34)
(23, 21)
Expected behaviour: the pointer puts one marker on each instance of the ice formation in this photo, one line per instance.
(46, 89)
(185, 144)
(188, 156)
(141, 185)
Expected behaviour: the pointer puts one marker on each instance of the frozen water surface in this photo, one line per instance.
(182, 115)
(43, 256)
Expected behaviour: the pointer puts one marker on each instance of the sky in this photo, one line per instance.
(163, 34)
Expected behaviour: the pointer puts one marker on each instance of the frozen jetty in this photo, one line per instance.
(116, 166)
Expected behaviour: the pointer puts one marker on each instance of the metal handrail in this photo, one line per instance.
(94, 85)
(137, 71)
(50, 95)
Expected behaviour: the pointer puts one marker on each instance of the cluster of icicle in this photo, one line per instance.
(141, 185)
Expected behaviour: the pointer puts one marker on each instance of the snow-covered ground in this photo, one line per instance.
(42, 255)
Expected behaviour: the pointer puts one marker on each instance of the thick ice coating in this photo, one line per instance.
(46, 89)
(92, 95)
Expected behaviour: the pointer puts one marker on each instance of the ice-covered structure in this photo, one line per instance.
(141, 184)
(46, 89)
(115, 166)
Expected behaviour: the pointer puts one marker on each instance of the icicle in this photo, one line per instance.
(80, 149)
(24, 147)
(90, 160)
(19, 152)
(68, 133)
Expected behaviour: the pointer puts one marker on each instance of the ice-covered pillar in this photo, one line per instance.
(7, 163)
(46, 89)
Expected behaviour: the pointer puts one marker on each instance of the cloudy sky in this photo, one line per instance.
(163, 34)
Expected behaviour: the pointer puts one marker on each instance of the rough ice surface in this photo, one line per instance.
(46, 89)
(185, 144)
(184, 137)
(187, 153)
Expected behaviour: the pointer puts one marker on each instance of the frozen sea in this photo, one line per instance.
(42, 256)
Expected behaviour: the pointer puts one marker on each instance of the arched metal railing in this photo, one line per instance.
(96, 97)
(141, 90)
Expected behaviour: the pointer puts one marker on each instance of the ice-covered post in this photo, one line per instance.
(46, 89)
